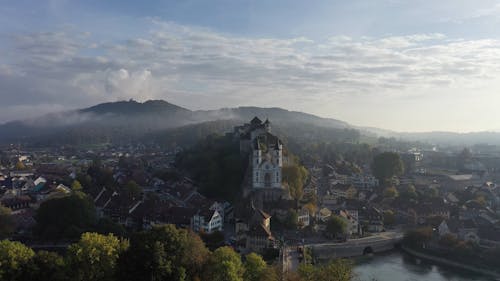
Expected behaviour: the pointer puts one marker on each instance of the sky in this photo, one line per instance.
(400, 65)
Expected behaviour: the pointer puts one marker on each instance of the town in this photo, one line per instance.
(291, 206)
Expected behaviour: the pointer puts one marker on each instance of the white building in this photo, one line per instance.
(207, 221)
(266, 158)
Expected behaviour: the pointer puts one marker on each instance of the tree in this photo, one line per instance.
(216, 163)
(47, 266)
(291, 219)
(311, 208)
(213, 240)
(106, 226)
(79, 215)
(336, 226)
(386, 165)
(391, 192)
(225, 265)
(430, 192)
(76, 186)
(132, 190)
(295, 176)
(20, 166)
(7, 224)
(94, 257)
(163, 253)
(408, 192)
(389, 217)
(14, 259)
(255, 267)
(338, 270)
(448, 240)
(418, 237)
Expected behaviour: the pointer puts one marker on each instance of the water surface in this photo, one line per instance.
(398, 266)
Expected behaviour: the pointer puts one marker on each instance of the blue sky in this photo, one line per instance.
(402, 65)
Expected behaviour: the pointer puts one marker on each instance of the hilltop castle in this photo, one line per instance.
(265, 156)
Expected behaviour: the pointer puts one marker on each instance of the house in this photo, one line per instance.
(464, 230)
(303, 218)
(259, 236)
(207, 220)
(372, 219)
(346, 191)
(351, 217)
(363, 182)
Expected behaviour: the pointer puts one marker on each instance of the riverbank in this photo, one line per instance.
(451, 263)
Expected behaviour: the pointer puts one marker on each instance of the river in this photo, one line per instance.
(398, 266)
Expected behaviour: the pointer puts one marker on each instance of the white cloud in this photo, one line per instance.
(199, 68)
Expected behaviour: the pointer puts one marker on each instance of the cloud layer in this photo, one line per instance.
(348, 78)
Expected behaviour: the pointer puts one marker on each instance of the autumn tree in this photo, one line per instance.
(20, 166)
(391, 192)
(76, 186)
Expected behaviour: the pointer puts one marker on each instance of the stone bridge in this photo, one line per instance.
(356, 247)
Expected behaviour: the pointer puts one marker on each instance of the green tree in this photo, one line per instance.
(94, 257)
(78, 216)
(107, 226)
(430, 192)
(291, 219)
(417, 237)
(47, 266)
(213, 240)
(7, 224)
(216, 163)
(225, 265)
(163, 253)
(255, 267)
(408, 192)
(386, 165)
(335, 270)
(132, 190)
(336, 225)
(295, 176)
(14, 260)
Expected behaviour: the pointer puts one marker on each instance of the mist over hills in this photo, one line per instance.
(131, 119)
(126, 120)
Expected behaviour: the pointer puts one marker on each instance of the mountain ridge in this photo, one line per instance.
(133, 117)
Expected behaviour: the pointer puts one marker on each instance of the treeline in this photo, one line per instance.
(162, 253)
